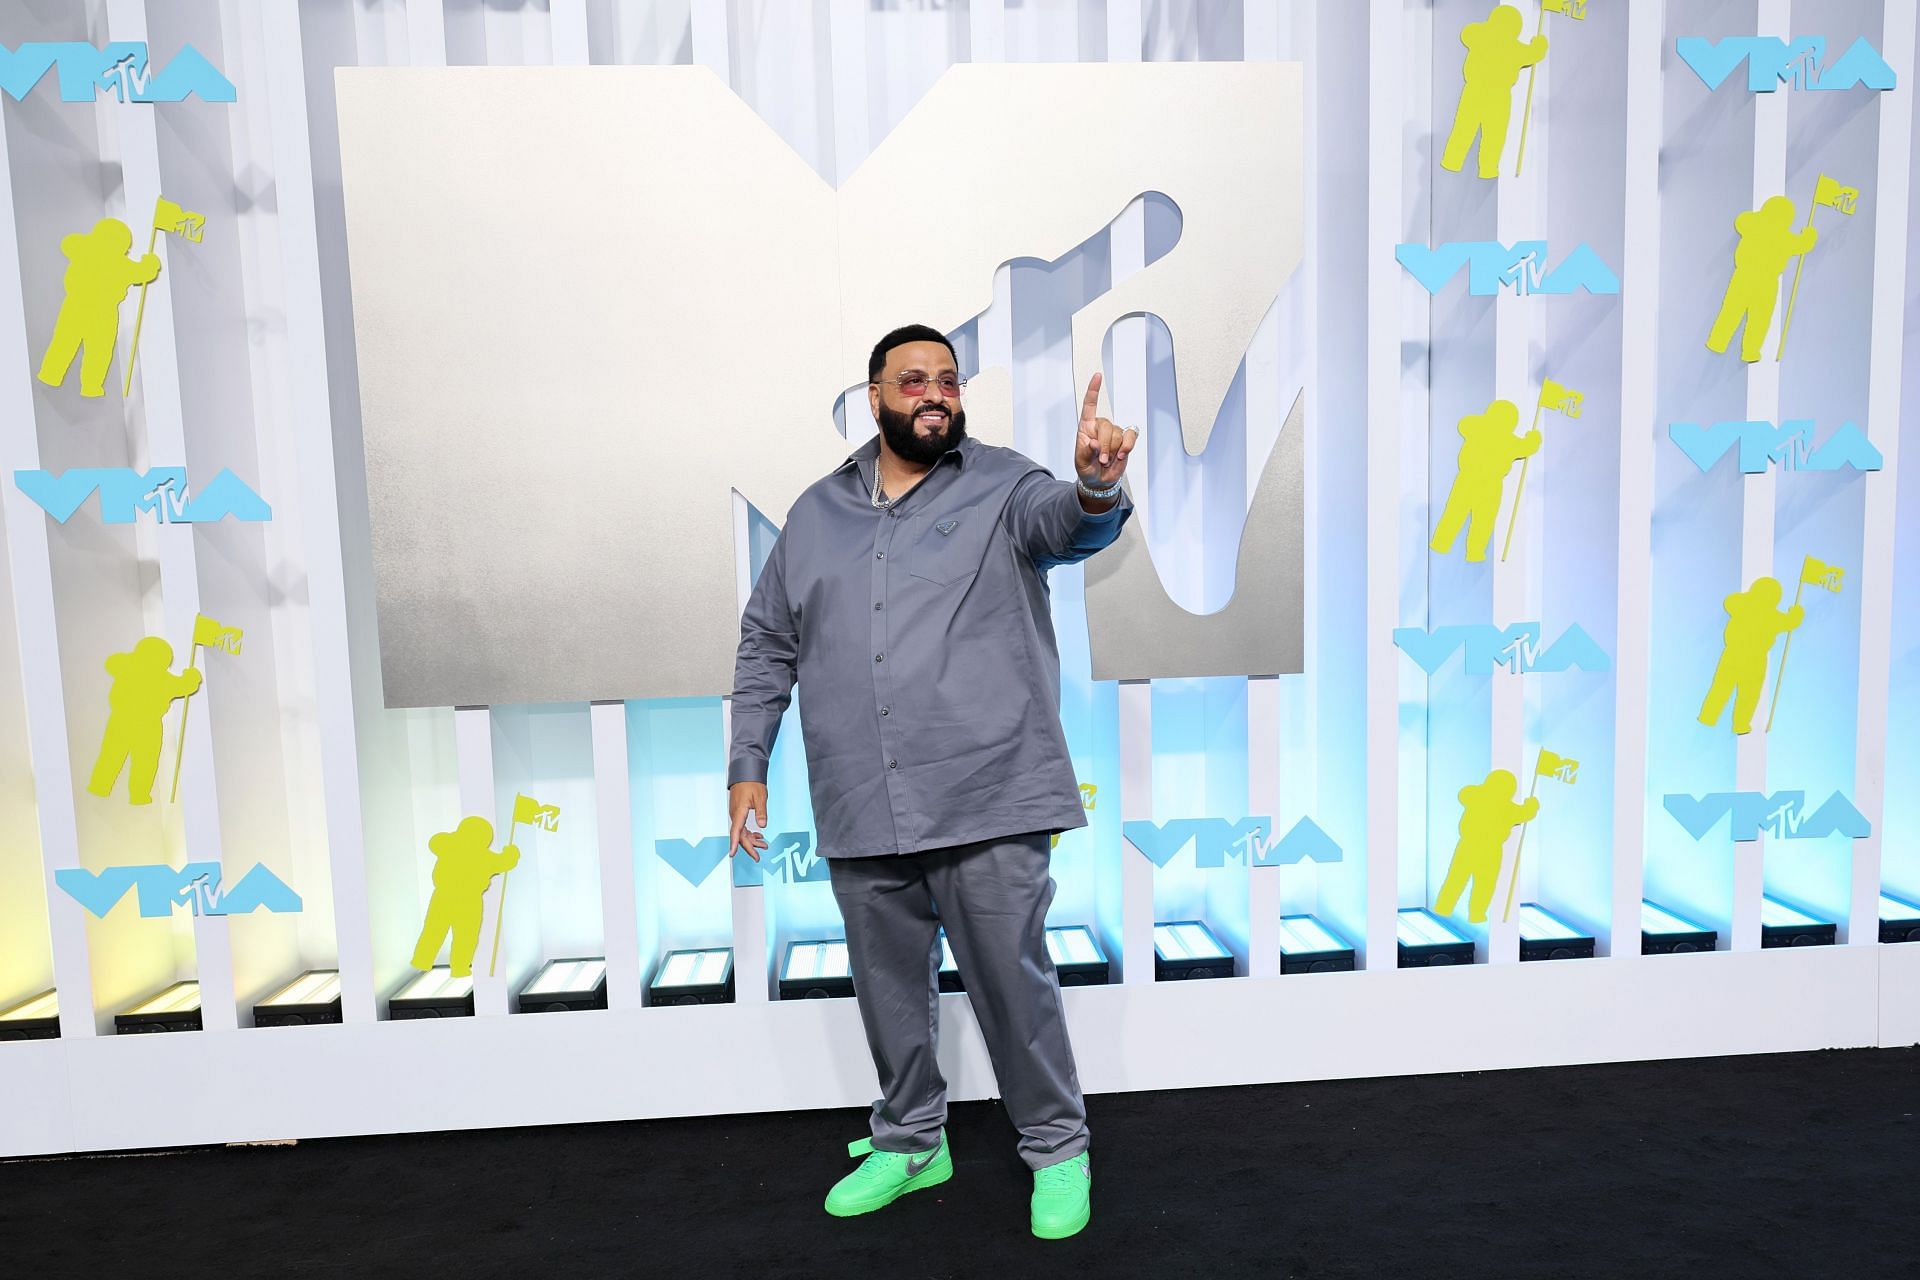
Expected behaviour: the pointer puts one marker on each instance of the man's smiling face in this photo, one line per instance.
(918, 428)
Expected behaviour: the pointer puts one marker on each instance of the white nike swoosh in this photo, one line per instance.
(924, 1161)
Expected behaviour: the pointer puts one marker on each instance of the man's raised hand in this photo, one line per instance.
(1100, 450)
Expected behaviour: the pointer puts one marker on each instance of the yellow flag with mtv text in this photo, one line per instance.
(1559, 397)
(530, 812)
(1831, 194)
(1553, 765)
(1576, 9)
(1818, 573)
(212, 634)
(174, 220)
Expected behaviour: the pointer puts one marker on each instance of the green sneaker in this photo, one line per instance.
(885, 1176)
(1061, 1198)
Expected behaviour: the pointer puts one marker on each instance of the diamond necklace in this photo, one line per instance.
(878, 505)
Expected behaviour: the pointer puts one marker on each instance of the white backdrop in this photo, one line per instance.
(247, 361)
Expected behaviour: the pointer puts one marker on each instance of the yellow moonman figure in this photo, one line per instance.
(1495, 57)
(465, 865)
(1489, 817)
(99, 273)
(144, 687)
(1767, 240)
(1754, 622)
(1487, 453)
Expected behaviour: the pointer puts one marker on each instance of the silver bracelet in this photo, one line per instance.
(1098, 495)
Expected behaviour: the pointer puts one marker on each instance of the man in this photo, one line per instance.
(907, 594)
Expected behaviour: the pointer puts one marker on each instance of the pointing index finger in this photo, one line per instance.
(1089, 407)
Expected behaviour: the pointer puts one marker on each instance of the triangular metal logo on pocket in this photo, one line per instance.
(946, 526)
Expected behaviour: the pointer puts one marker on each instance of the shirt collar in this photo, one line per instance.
(871, 450)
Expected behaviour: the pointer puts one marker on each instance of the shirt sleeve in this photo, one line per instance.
(1047, 520)
(763, 670)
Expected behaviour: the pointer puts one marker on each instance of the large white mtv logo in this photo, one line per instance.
(593, 303)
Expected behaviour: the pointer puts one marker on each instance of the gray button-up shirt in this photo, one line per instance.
(921, 638)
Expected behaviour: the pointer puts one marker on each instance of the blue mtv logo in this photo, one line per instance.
(1493, 267)
(121, 67)
(1216, 842)
(1790, 445)
(159, 889)
(1772, 62)
(125, 494)
(1516, 648)
(1782, 815)
(789, 858)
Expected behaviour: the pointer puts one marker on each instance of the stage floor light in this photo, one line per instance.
(1899, 922)
(1077, 957)
(310, 999)
(949, 967)
(433, 994)
(1427, 941)
(1307, 946)
(1545, 936)
(816, 970)
(35, 1019)
(175, 1009)
(1184, 949)
(1664, 933)
(702, 975)
(1782, 925)
(563, 985)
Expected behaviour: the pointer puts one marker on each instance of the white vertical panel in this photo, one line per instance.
(710, 47)
(1127, 247)
(1384, 108)
(1279, 777)
(568, 35)
(1123, 31)
(1136, 805)
(31, 573)
(309, 416)
(986, 31)
(473, 749)
(613, 819)
(157, 374)
(1263, 797)
(1639, 362)
(753, 980)
(847, 37)
(1892, 192)
(1757, 497)
(1518, 216)
(426, 33)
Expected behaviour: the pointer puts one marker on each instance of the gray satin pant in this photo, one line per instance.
(992, 897)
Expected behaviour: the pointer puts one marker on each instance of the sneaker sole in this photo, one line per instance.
(931, 1176)
(1061, 1233)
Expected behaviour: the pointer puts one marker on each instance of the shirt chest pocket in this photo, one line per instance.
(946, 549)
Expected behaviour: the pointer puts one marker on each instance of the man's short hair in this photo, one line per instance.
(899, 338)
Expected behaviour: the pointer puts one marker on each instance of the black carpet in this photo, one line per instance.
(1785, 1164)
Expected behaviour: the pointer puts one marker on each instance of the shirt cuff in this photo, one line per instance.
(1120, 503)
(746, 771)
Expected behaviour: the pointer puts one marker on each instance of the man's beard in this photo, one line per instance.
(909, 445)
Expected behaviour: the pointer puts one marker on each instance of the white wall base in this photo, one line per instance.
(251, 1084)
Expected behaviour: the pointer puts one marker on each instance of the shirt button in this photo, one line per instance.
(885, 710)
(876, 606)
(879, 555)
(892, 764)
(878, 656)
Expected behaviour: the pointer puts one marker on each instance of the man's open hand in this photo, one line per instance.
(742, 798)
